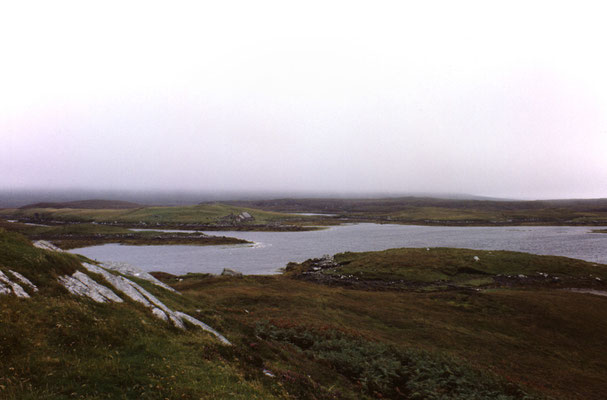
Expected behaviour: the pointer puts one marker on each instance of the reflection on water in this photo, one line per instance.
(273, 250)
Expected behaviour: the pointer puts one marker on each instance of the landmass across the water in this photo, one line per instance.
(89, 222)
(300, 214)
(76, 235)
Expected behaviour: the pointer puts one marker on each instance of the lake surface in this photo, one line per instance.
(273, 250)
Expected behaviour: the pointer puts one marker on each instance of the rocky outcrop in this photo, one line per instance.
(4, 289)
(131, 270)
(203, 326)
(230, 272)
(44, 245)
(7, 287)
(137, 294)
(81, 284)
(24, 280)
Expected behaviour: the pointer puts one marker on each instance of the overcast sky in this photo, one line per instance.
(491, 98)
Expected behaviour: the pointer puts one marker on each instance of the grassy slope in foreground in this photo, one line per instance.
(59, 346)
(71, 236)
(318, 342)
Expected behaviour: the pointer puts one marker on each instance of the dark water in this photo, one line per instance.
(273, 250)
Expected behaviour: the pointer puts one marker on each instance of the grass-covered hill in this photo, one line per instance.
(279, 215)
(55, 345)
(447, 268)
(87, 204)
(295, 339)
(71, 236)
(208, 216)
(443, 211)
(530, 332)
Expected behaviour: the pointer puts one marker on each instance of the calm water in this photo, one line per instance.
(273, 250)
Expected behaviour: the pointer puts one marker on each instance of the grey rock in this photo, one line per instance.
(119, 283)
(269, 373)
(230, 272)
(204, 326)
(158, 304)
(16, 288)
(81, 284)
(131, 270)
(24, 280)
(160, 314)
(102, 290)
(137, 293)
(4, 289)
(43, 244)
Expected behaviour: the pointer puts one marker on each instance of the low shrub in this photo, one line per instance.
(387, 371)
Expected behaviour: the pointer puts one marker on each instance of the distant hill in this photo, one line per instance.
(394, 204)
(87, 204)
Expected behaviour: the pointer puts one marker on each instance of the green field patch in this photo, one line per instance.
(428, 265)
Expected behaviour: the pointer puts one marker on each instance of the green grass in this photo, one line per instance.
(458, 265)
(319, 342)
(58, 346)
(71, 236)
(198, 214)
(436, 211)
(545, 341)
(385, 369)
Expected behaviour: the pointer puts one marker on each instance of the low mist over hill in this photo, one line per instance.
(87, 204)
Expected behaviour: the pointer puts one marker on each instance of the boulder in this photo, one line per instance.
(131, 270)
(44, 245)
(81, 284)
(24, 280)
(230, 272)
(16, 288)
(203, 326)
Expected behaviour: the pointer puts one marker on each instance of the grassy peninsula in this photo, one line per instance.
(202, 217)
(290, 214)
(71, 236)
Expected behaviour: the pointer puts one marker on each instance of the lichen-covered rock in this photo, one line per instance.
(24, 280)
(120, 283)
(136, 293)
(230, 272)
(152, 299)
(131, 270)
(43, 244)
(16, 288)
(104, 291)
(82, 285)
(204, 326)
(160, 314)
(4, 289)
